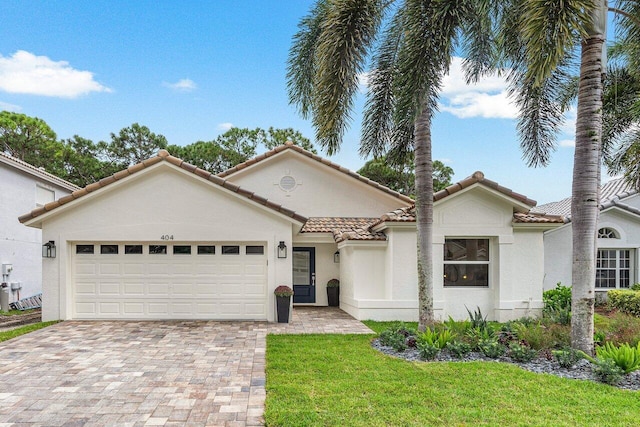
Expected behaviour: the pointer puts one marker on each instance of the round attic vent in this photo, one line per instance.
(287, 183)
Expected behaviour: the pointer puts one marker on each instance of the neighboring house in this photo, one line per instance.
(618, 239)
(24, 187)
(166, 240)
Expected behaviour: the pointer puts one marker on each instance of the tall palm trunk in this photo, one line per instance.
(424, 217)
(586, 165)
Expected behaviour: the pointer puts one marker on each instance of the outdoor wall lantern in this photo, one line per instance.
(282, 250)
(49, 249)
(336, 257)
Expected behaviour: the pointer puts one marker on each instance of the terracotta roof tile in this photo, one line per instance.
(344, 228)
(537, 218)
(290, 146)
(163, 155)
(478, 177)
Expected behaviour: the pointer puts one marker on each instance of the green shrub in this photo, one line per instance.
(534, 334)
(458, 328)
(557, 304)
(477, 335)
(567, 357)
(392, 338)
(608, 372)
(477, 320)
(625, 357)
(435, 338)
(459, 349)
(428, 351)
(521, 352)
(626, 301)
(492, 348)
(622, 328)
(635, 287)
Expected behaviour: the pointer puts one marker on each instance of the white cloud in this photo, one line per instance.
(183, 85)
(446, 161)
(363, 82)
(5, 106)
(487, 98)
(567, 143)
(225, 126)
(27, 73)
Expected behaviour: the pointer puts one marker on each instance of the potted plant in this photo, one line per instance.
(333, 292)
(283, 302)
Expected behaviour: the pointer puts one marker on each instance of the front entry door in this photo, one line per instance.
(304, 275)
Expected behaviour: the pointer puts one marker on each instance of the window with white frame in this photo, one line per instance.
(613, 268)
(607, 233)
(466, 262)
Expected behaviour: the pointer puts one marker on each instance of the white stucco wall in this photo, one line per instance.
(161, 200)
(19, 245)
(515, 270)
(558, 244)
(320, 191)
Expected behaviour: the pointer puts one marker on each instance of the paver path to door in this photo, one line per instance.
(146, 373)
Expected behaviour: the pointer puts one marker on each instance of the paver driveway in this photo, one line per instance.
(146, 373)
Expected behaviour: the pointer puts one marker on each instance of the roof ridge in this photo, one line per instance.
(291, 146)
(163, 155)
(39, 171)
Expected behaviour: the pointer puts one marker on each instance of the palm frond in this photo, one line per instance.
(479, 39)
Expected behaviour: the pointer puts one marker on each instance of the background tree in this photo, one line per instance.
(32, 140)
(85, 162)
(132, 145)
(330, 51)
(401, 178)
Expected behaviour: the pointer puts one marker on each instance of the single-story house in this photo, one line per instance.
(24, 187)
(617, 242)
(166, 240)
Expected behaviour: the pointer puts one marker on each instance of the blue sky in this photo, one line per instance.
(190, 69)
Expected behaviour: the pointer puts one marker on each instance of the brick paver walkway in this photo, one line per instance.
(192, 373)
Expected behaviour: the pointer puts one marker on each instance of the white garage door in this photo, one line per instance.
(169, 281)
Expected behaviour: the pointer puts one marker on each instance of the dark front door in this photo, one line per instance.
(304, 275)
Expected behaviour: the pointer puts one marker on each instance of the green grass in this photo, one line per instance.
(7, 335)
(378, 327)
(14, 312)
(339, 380)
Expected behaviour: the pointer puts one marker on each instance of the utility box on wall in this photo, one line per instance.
(16, 286)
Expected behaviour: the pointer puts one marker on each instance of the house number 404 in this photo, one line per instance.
(166, 237)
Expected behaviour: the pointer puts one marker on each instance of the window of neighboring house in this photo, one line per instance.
(466, 262)
(607, 233)
(44, 196)
(613, 268)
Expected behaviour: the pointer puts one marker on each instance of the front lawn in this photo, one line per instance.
(7, 335)
(339, 380)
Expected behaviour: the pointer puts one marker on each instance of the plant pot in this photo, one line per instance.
(333, 295)
(283, 307)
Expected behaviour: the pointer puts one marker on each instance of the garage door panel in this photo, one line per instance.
(169, 286)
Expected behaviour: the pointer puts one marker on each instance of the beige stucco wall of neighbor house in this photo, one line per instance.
(515, 271)
(161, 200)
(558, 244)
(319, 190)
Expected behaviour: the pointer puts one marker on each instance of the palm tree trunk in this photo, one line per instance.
(584, 203)
(424, 217)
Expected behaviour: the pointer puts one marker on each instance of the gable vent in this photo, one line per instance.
(287, 183)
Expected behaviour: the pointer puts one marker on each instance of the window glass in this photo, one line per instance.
(255, 250)
(613, 268)
(466, 262)
(182, 249)
(108, 249)
(132, 249)
(206, 250)
(157, 249)
(84, 249)
(607, 233)
(231, 250)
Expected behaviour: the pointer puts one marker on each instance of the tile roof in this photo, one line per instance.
(163, 155)
(290, 146)
(537, 218)
(478, 177)
(344, 228)
(37, 172)
(611, 194)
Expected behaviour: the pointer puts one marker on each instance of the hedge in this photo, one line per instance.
(626, 301)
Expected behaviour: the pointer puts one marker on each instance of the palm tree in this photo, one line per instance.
(329, 54)
(540, 40)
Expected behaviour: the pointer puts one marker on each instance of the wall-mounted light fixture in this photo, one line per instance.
(336, 257)
(282, 250)
(49, 249)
